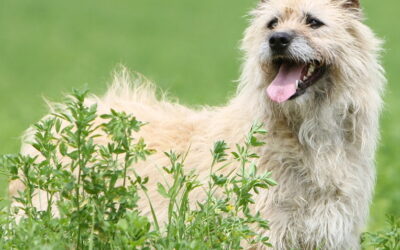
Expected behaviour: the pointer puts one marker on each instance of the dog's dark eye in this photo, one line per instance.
(313, 22)
(273, 23)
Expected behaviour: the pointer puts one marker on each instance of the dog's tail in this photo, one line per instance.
(133, 92)
(132, 86)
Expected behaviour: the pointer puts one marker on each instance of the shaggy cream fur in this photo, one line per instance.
(320, 146)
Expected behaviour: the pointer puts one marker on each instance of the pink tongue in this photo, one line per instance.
(284, 85)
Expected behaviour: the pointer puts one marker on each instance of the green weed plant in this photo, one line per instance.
(388, 239)
(92, 191)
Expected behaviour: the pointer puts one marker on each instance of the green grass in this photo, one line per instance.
(187, 47)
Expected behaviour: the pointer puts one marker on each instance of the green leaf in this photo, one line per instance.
(161, 190)
(63, 149)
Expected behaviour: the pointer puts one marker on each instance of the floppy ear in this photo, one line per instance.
(352, 4)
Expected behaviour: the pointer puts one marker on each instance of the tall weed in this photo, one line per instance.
(91, 190)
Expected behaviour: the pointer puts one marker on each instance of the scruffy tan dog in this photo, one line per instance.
(312, 75)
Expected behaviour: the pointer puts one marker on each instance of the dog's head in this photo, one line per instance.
(300, 43)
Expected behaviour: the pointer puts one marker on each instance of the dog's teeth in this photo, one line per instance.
(311, 69)
(298, 82)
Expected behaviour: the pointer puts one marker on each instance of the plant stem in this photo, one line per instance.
(126, 165)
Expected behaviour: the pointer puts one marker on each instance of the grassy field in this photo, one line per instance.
(187, 47)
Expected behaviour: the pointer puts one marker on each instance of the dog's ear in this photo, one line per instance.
(352, 4)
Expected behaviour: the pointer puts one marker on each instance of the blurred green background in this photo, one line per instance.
(188, 47)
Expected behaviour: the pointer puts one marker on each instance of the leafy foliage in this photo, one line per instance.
(91, 190)
(385, 240)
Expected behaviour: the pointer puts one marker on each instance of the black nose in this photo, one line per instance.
(280, 41)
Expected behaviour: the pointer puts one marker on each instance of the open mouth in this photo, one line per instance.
(293, 78)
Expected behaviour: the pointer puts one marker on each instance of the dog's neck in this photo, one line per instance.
(315, 119)
(331, 113)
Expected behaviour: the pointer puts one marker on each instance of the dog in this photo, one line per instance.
(312, 75)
